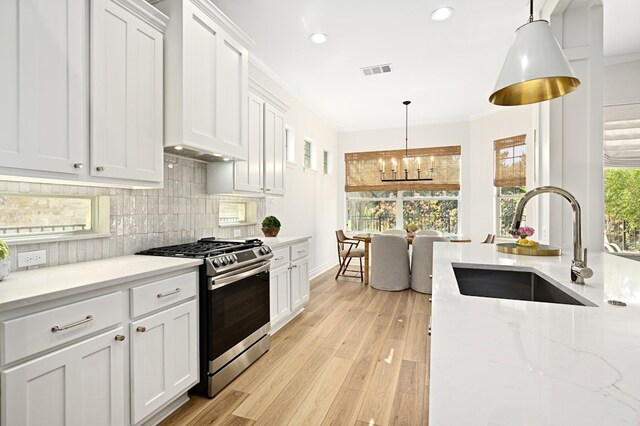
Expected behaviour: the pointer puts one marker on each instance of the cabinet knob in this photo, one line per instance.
(100, 169)
(119, 337)
(78, 166)
(141, 329)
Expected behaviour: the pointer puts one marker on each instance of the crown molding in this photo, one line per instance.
(227, 24)
(145, 12)
(268, 95)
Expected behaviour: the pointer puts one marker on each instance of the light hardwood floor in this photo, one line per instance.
(355, 356)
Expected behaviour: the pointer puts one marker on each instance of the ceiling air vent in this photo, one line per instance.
(376, 69)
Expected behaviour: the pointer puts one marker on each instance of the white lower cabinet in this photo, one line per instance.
(299, 283)
(71, 362)
(289, 283)
(279, 295)
(82, 384)
(164, 358)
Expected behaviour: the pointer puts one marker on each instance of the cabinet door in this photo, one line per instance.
(280, 301)
(79, 385)
(164, 358)
(274, 151)
(234, 63)
(126, 95)
(201, 80)
(43, 120)
(249, 173)
(299, 283)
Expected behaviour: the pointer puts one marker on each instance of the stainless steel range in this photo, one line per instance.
(234, 306)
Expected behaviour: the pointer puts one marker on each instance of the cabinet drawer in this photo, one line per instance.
(280, 257)
(299, 251)
(31, 334)
(150, 297)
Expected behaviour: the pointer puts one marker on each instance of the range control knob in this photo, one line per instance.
(216, 263)
(232, 258)
(223, 260)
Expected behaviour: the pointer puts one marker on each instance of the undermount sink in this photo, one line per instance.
(515, 285)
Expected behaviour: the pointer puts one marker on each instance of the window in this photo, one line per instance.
(31, 215)
(290, 140)
(237, 212)
(510, 179)
(309, 154)
(326, 162)
(379, 211)
(622, 177)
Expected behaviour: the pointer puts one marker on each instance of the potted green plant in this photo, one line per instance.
(5, 262)
(270, 226)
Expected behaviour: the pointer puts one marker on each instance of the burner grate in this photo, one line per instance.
(206, 247)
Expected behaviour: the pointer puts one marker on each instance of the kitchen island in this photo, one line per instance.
(514, 362)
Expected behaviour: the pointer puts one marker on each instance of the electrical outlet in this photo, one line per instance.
(32, 258)
(237, 232)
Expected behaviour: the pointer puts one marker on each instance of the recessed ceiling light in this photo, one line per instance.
(217, 155)
(177, 148)
(442, 13)
(318, 38)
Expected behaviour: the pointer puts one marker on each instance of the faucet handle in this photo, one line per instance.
(584, 258)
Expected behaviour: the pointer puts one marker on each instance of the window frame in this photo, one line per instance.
(290, 144)
(498, 197)
(313, 165)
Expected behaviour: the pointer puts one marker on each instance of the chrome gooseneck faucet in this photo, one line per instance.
(579, 269)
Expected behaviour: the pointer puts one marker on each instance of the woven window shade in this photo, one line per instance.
(510, 161)
(362, 170)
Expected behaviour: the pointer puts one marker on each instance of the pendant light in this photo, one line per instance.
(536, 69)
(406, 161)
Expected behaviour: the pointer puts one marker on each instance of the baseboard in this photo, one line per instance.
(165, 411)
(322, 269)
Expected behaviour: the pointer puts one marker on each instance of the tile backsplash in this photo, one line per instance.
(180, 212)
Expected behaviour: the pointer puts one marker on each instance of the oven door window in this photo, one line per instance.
(236, 311)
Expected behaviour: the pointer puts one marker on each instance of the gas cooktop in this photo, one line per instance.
(206, 247)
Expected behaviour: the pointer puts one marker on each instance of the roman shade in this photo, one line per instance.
(510, 161)
(622, 136)
(362, 169)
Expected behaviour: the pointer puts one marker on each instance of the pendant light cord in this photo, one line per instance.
(406, 131)
(531, 11)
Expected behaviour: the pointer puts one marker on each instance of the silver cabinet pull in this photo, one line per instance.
(78, 166)
(279, 258)
(56, 328)
(119, 337)
(141, 329)
(100, 169)
(161, 295)
(300, 251)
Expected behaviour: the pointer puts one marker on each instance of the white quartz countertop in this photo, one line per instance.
(23, 288)
(277, 242)
(508, 362)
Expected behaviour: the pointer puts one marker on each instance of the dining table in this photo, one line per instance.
(366, 239)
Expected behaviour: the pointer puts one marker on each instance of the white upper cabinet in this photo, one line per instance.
(249, 173)
(206, 73)
(274, 151)
(43, 111)
(126, 91)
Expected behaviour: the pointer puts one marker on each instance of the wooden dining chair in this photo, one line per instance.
(347, 250)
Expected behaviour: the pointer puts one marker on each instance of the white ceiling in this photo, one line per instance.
(447, 69)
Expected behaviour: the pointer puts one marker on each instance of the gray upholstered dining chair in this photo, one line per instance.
(389, 263)
(422, 262)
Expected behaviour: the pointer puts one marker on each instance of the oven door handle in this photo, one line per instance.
(234, 276)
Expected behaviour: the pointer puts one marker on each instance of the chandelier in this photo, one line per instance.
(412, 166)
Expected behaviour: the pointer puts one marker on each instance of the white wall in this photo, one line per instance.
(309, 204)
(622, 83)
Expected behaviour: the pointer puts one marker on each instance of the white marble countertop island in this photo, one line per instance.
(511, 362)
